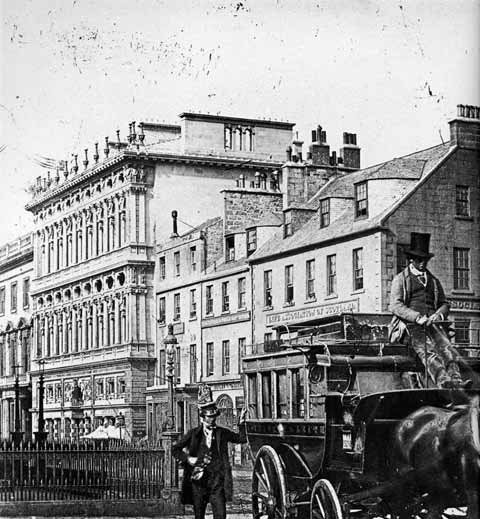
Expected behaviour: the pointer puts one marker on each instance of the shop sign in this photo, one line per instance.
(472, 305)
(313, 312)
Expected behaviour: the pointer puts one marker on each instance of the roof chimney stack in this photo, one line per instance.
(350, 152)
(319, 150)
(465, 128)
(174, 222)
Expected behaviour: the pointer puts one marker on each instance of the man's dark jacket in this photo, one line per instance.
(400, 296)
(189, 445)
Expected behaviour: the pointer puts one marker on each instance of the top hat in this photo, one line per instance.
(419, 245)
(205, 403)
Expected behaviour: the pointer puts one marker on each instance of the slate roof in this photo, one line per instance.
(410, 168)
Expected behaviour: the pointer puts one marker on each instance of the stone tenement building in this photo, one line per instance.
(92, 286)
(204, 288)
(338, 251)
(16, 272)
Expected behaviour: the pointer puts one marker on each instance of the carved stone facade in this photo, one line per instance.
(91, 293)
(16, 270)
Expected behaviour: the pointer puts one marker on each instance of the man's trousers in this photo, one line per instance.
(202, 494)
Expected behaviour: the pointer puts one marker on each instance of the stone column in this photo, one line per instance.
(141, 216)
(54, 347)
(117, 321)
(132, 216)
(74, 330)
(105, 324)
(65, 330)
(94, 325)
(85, 344)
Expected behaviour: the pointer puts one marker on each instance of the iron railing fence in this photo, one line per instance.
(106, 470)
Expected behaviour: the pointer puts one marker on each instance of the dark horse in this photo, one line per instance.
(437, 458)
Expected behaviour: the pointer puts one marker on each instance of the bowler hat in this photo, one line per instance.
(419, 245)
(205, 403)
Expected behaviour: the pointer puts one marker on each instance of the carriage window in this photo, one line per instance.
(282, 394)
(298, 393)
(266, 395)
(252, 395)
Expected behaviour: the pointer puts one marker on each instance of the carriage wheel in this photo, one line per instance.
(269, 489)
(324, 503)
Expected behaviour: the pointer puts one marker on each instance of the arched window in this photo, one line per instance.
(228, 138)
(238, 139)
(248, 140)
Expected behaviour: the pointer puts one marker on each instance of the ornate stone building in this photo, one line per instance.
(16, 269)
(93, 299)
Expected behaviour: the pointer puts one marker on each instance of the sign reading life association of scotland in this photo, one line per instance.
(313, 312)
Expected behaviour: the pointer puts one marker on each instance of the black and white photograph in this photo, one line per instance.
(240, 259)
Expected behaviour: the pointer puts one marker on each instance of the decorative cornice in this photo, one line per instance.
(127, 155)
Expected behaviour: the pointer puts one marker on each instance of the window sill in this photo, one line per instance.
(465, 218)
(331, 296)
(310, 300)
(225, 312)
(288, 304)
(162, 323)
(267, 308)
(463, 292)
(193, 318)
(359, 291)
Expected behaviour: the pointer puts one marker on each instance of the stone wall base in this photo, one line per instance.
(94, 508)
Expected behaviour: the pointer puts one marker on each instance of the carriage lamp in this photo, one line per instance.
(170, 343)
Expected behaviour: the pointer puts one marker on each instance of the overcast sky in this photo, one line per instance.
(73, 71)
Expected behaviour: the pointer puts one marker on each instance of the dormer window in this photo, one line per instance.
(361, 200)
(251, 241)
(287, 228)
(230, 248)
(325, 213)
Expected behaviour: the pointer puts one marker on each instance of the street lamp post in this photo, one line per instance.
(170, 435)
(17, 435)
(41, 434)
(170, 343)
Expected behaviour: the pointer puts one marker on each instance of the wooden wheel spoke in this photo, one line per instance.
(264, 482)
(264, 468)
(260, 496)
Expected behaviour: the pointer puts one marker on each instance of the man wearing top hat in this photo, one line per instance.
(207, 475)
(417, 299)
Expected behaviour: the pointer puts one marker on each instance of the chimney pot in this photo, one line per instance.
(314, 135)
(323, 136)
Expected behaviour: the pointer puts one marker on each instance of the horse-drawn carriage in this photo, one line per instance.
(341, 425)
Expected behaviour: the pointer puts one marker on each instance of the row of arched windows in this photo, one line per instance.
(15, 352)
(94, 324)
(238, 138)
(79, 237)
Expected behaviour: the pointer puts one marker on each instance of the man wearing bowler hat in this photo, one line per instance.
(207, 475)
(418, 299)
